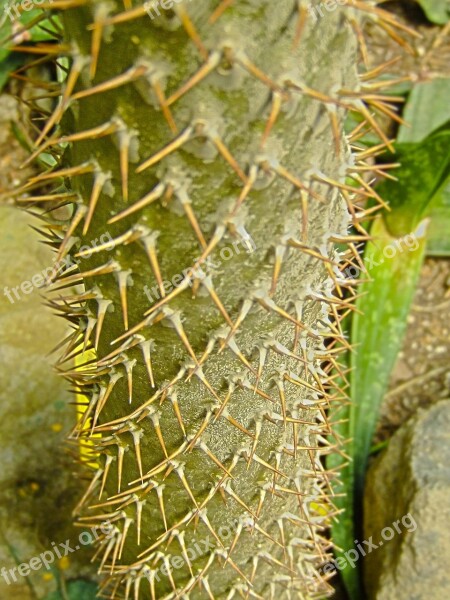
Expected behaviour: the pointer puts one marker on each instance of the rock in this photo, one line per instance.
(38, 489)
(407, 499)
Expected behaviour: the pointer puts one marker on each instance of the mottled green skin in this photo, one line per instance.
(300, 139)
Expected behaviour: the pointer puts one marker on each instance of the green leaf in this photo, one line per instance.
(437, 11)
(377, 329)
(438, 242)
(393, 260)
(5, 31)
(424, 169)
(394, 265)
(427, 108)
(44, 30)
(7, 66)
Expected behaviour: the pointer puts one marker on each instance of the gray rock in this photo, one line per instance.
(38, 487)
(409, 484)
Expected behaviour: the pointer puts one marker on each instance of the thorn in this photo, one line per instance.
(198, 372)
(280, 252)
(130, 75)
(231, 388)
(239, 530)
(218, 12)
(126, 526)
(169, 572)
(207, 282)
(245, 62)
(94, 133)
(307, 250)
(100, 179)
(137, 434)
(120, 453)
(164, 105)
(237, 424)
(124, 158)
(301, 21)
(187, 206)
(155, 194)
(204, 581)
(159, 492)
(180, 472)
(270, 305)
(277, 101)
(203, 516)
(72, 78)
(200, 430)
(62, 173)
(253, 173)
(228, 489)
(246, 306)
(361, 41)
(176, 408)
(262, 361)
(108, 460)
(265, 464)
(211, 63)
(175, 318)
(123, 277)
(109, 267)
(89, 490)
(235, 349)
(129, 366)
(147, 346)
(335, 128)
(187, 560)
(155, 420)
(360, 107)
(129, 15)
(184, 137)
(131, 342)
(280, 386)
(111, 543)
(80, 212)
(88, 331)
(296, 182)
(191, 30)
(149, 242)
(100, 12)
(180, 288)
(226, 154)
(215, 460)
(255, 525)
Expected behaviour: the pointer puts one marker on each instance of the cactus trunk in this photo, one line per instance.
(206, 148)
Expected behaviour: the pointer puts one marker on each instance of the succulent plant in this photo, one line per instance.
(206, 165)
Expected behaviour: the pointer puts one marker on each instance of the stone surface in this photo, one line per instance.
(411, 477)
(38, 489)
